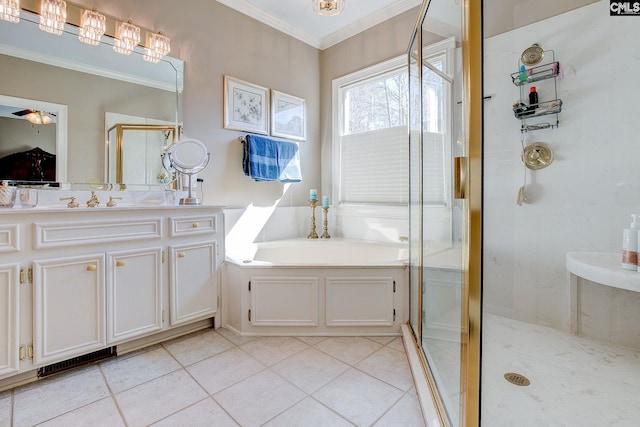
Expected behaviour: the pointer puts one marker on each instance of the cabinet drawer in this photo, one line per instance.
(192, 225)
(47, 235)
(9, 238)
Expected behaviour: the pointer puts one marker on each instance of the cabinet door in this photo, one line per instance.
(359, 301)
(284, 301)
(9, 312)
(134, 294)
(193, 283)
(68, 307)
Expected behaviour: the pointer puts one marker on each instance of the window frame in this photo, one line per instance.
(445, 47)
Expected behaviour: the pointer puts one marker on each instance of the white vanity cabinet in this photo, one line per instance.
(194, 291)
(78, 281)
(9, 317)
(68, 307)
(134, 293)
(193, 287)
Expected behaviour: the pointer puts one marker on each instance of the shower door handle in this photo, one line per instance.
(460, 168)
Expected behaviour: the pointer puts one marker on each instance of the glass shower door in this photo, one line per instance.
(442, 229)
(440, 215)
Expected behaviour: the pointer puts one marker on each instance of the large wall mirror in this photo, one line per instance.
(32, 140)
(76, 85)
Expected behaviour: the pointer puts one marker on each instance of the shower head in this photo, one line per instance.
(532, 55)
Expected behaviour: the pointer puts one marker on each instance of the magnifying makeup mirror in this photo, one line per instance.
(187, 156)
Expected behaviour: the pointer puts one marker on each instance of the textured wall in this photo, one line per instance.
(582, 201)
(215, 40)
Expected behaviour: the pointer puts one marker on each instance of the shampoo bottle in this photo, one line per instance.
(630, 244)
(523, 74)
(533, 98)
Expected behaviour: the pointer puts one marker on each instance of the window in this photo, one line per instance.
(370, 144)
(371, 136)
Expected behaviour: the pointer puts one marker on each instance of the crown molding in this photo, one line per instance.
(368, 22)
(247, 8)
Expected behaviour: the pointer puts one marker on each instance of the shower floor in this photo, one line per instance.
(575, 381)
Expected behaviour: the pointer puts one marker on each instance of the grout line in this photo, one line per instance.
(71, 374)
(183, 408)
(289, 407)
(224, 409)
(113, 396)
(12, 400)
(332, 410)
(147, 381)
(388, 409)
(165, 348)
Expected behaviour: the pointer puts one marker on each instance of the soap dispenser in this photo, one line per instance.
(630, 244)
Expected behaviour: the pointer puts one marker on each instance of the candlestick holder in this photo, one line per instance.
(312, 233)
(325, 224)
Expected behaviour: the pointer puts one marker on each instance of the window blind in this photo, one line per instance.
(434, 172)
(373, 166)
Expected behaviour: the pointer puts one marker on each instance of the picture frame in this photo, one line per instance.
(246, 106)
(288, 116)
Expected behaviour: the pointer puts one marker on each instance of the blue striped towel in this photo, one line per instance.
(266, 159)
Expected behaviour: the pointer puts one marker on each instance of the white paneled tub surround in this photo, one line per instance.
(316, 287)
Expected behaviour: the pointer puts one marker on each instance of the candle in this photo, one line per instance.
(313, 194)
(325, 201)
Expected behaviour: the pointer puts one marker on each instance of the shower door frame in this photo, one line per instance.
(470, 180)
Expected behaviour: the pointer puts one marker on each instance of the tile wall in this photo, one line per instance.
(583, 200)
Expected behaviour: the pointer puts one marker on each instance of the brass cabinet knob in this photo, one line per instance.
(92, 267)
(181, 254)
(120, 263)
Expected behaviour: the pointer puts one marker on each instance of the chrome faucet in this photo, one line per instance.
(93, 201)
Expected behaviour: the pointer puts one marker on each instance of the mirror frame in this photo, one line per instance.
(120, 128)
(61, 127)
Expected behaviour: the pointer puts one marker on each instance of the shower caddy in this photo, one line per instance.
(537, 155)
(537, 73)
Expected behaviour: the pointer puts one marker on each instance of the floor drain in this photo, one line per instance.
(517, 379)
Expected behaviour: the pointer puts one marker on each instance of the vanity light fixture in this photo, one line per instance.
(53, 15)
(92, 27)
(38, 118)
(10, 10)
(158, 45)
(127, 37)
(328, 7)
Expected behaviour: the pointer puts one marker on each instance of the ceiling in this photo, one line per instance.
(297, 18)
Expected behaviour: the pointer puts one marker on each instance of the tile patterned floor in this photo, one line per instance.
(215, 378)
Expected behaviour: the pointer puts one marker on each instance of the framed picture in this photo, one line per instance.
(246, 106)
(288, 116)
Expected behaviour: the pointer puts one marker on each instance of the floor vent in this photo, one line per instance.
(77, 361)
(517, 379)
